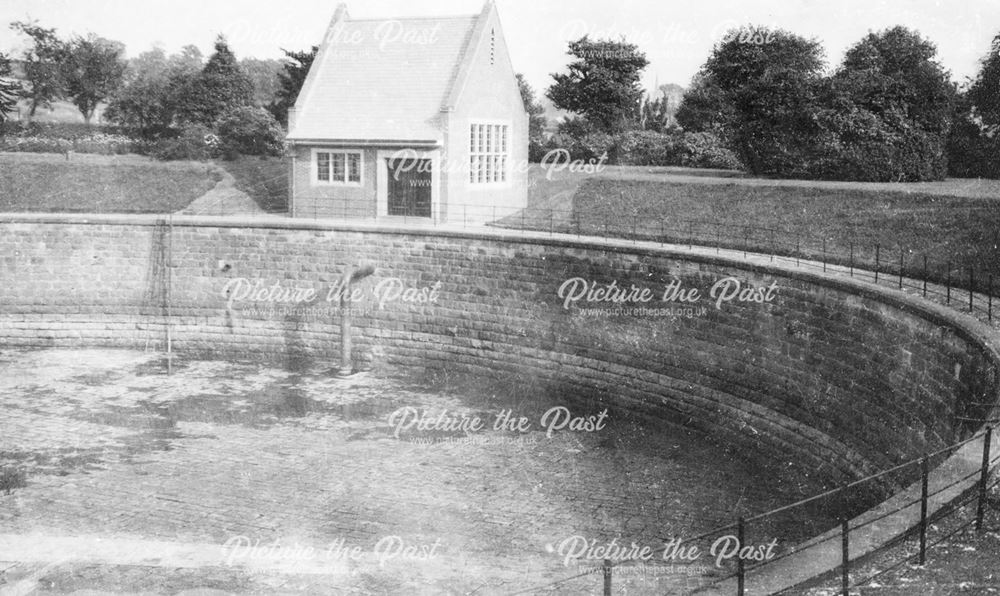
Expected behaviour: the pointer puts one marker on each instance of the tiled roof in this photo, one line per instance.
(382, 79)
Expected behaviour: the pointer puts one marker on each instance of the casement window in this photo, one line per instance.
(337, 167)
(488, 148)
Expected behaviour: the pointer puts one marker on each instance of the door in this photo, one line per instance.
(409, 187)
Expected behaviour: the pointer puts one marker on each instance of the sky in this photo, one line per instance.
(677, 37)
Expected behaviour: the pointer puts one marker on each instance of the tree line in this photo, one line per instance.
(763, 102)
(175, 101)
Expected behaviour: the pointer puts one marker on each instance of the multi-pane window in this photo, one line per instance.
(488, 153)
(338, 167)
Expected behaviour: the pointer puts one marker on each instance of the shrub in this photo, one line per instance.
(863, 146)
(250, 131)
(195, 143)
(646, 148)
(705, 150)
(649, 148)
(103, 144)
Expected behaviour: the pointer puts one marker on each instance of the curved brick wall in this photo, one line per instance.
(839, 377)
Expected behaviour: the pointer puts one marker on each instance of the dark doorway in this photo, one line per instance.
(409, 190)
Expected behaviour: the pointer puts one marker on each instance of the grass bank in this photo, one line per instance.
(51, 183)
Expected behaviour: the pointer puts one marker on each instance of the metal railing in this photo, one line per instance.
(738, 575)
(965, 282)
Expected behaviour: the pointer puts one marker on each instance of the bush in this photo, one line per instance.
(705, 150)
(646, 148)
(103, 144)
(195, 143)
(972, 153)
(862, 146)
(250, 131)
(649, 148)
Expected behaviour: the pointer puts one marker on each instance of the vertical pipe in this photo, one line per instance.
(924, 473)
(607, 577)
(346, 364)
(984, 475)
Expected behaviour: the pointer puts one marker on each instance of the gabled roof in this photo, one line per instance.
(384, 80)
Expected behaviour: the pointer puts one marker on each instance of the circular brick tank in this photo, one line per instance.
(844, 378)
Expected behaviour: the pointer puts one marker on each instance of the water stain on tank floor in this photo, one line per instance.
(112, 445)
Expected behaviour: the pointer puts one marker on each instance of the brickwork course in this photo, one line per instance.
(832, 377)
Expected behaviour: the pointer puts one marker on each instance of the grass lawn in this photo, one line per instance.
(48, 183)
(954, 223)
(264, 179)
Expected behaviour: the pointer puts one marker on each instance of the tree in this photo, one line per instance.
(536, 120)
(42, 65)
(10, 89)
(220, 86)
(984, 93)
(250, 131)
(143, 103)
(264, 76)
(154, 86)
(602, 83)
(902, 104)
(769, 79)
(706, 108)
(93, 69)
(973, 142)
(290, 81)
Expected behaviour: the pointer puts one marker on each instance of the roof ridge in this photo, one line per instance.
(413, 18)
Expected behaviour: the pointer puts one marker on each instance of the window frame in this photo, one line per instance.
(489, 142)
(346, 181)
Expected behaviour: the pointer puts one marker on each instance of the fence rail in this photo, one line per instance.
(966, 279)
(740, 571)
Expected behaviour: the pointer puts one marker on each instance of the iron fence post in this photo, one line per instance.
(607, 577)
(972, 285)
(741, 572)
(948, 285)
(900, 267)
(924, 473)
(983, 478)
(878, 255)
(845, 573)
(925, 276)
